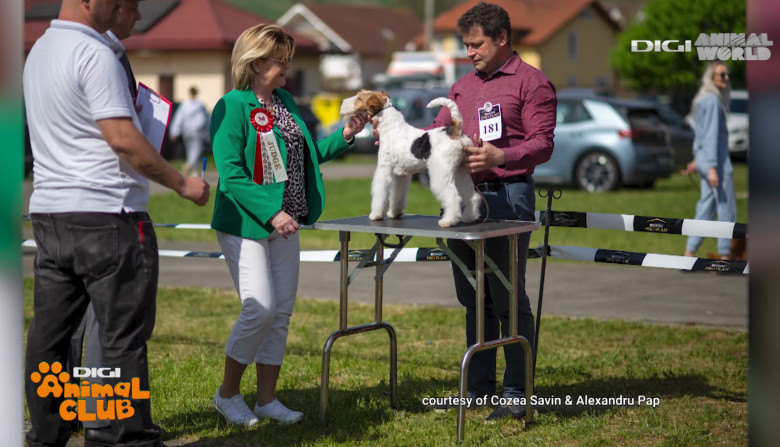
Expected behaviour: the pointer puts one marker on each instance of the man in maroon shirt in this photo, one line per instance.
(509, 110)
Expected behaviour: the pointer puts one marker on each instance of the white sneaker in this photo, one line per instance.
(277, 411)
(234, 409)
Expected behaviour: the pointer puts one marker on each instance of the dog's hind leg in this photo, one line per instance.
(398, 193)
(443, 188)
(469, 197)
(379, 192)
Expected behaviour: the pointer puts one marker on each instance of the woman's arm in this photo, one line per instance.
(228, 133)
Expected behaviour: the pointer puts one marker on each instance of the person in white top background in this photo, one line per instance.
(191, 123)
(96, 243)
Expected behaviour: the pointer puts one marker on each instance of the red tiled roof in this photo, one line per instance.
(362, 26)
(191, 25)
(537, 19)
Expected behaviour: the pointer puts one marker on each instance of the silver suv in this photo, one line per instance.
(603, 143)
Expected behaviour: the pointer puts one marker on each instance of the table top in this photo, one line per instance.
(417, 225)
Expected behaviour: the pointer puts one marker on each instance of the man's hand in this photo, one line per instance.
(284, 224)
(196, 190)
(482, 157)
(712, 177)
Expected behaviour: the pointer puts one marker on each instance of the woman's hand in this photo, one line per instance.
(690, 168)
(712, 177)
(354, 125)
(284, 224)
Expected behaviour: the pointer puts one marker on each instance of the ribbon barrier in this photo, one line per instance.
(587, 254)
(600, 221)
(574, 219)
(646, 224)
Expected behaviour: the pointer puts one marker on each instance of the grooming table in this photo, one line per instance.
(404, 229)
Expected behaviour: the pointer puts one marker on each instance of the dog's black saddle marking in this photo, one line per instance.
(421, 147)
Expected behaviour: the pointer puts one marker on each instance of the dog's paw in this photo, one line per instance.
(375, 216)
(393, 215)
(446, 222)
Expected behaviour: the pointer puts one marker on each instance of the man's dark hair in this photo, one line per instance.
(492, 18)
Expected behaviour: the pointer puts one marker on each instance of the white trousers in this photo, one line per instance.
(265, 273)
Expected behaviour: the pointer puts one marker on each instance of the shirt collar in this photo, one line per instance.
(509, 67)
(75, 26)
(114, 43)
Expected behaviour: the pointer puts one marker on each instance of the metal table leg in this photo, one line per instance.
(479, 248)
(344, 330)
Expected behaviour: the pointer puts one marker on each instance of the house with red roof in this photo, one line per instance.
(569, 40)
(359, 41)
(183, 43)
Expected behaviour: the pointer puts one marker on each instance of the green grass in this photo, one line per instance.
(698, 374)
(675, 197)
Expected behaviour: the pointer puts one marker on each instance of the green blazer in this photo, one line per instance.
(242, 207)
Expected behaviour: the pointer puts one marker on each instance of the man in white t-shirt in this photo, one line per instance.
(88, 209)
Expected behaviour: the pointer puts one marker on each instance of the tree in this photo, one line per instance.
(676, 73)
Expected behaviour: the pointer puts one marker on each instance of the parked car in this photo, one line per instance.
(603, 143)
(737, 124)
(680, 133)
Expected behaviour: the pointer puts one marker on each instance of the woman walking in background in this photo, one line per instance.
(269, 181)
(711, 154)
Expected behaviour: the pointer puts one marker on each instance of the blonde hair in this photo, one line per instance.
(257, 42)
(708, 86)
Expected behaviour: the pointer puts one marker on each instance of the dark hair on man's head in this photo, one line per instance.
(492, 18)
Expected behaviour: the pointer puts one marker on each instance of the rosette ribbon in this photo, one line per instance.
(263, 122)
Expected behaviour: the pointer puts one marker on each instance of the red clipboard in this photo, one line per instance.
(154, 114)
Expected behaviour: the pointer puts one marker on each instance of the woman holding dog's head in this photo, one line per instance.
(269, 181)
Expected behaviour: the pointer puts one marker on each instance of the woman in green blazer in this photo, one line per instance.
(269, 181)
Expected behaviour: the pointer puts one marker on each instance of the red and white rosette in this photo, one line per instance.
(263, 122)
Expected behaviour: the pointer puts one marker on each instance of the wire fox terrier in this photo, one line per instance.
(405, 150)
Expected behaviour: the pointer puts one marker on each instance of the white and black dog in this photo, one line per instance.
(405, 150)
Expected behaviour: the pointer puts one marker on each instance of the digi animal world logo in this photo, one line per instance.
(113, 402)
(714, 46)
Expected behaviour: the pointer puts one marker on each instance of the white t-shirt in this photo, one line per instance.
(72, 79)
(191, 119)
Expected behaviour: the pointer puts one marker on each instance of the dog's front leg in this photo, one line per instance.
(380, 187)
(399, 191)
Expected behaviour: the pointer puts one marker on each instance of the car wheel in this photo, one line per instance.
(597, 172)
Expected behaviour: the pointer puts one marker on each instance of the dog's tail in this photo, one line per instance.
(456, 122)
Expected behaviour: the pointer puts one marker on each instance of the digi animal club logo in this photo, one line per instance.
(113, 402)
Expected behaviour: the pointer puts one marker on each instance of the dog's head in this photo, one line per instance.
(365, 102)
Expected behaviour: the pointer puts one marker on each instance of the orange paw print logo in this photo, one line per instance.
(50, 382)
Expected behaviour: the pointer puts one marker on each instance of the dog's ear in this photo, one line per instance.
(374, 104)
(384, 93)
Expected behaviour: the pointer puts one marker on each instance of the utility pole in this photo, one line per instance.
(429, 4)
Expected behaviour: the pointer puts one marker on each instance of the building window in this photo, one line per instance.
(573, 46)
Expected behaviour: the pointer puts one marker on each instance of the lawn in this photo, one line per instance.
(699, 376)
(674, 197)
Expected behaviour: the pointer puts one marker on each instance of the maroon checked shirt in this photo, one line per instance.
(528, 114)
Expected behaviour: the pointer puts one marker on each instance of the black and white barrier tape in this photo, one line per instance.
(663, 225)
(601, 221)
(561, 252)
